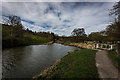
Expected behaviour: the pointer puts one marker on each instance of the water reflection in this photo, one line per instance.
(25, 62)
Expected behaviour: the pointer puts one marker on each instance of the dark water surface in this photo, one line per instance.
(27, 61)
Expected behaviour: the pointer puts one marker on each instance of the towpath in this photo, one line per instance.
(106, 69)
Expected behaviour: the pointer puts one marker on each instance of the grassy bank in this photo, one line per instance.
(33, 39)
(114, 58)
(77, 64)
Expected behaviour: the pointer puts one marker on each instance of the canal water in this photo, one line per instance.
(27, 61)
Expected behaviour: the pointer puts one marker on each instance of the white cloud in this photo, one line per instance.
(91, 16)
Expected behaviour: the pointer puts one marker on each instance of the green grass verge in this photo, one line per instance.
(66, 43)
(33, 39)
(113, 55)
(77, 64)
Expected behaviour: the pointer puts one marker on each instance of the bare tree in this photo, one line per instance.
(15, 25)
(12, 20)
(15, 20)
(78, 32)
(114, 28)
(116, 11)
(79, 35)
(53, 35)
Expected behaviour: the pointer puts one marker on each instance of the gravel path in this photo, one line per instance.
(105, 67)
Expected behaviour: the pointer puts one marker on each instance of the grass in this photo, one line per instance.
(66, 42)
(77, 64)
(35, 39)
(113, 55)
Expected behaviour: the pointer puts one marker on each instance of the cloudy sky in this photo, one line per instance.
(60, 17)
